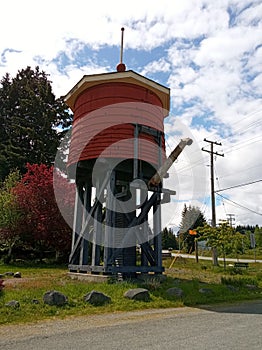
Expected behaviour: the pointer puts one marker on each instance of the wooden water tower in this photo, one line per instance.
(117, 145)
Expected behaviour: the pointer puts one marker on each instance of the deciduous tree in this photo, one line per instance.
(224, 238)
(10, 214)
(44, 226)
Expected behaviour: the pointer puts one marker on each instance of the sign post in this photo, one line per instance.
(194, 233)
(253, 244)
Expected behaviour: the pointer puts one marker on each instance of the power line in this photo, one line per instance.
(242, 144)
(235, 147)
(239, 205)
(241, 129)
(218, 184)
(242, 171)
(238, 131)
(242, 185)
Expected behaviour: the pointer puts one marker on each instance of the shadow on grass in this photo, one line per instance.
(238, 297)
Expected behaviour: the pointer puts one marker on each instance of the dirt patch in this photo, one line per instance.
(24, 282)
(15, 281)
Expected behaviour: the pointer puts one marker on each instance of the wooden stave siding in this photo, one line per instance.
(106, 113)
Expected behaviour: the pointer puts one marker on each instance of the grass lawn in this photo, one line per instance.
(185, 274)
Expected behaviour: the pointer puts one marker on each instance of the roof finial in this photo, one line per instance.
(122, 45)
(121, 66)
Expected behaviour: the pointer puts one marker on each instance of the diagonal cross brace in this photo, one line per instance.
(82, 234)
(132, 229)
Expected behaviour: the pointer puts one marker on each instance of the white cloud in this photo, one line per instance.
(161, 65)
(228, 45)
(251, 16)
(257, 84)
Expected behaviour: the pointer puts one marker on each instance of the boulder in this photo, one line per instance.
(9, 273)
(96, 298)
(251, 287)
(232, 288)
(35, 301)
(13, 303)
(137, 294)
(17, 275)
(54, 297)
(205, 291)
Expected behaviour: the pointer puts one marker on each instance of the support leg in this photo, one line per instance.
(77, 225)
(84, 253)
(157, 232)
(97, 235)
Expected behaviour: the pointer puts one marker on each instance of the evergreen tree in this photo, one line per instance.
(245, 229)
(258, 236)
(192, 217)
(169, 239)
(29, 117)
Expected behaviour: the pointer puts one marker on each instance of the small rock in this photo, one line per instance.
(9, 273)
(13, 303)
(205, 291)
(54, 298)
(97, 298)
(137, 294)
(17, 275)
(177, 281)
(175, 292)
(232, 288)
(251, 286)
(35, 301)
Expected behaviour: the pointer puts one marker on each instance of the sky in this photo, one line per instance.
(209, 53)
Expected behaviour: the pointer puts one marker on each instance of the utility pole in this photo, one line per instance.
(213, 202)
(231, 218)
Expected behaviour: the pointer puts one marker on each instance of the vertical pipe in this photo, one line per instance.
(135, 170)
(77, 225)
(109, 220)
(159, 137)
(84, 253)
(97, 236)
(157, 231)
(122, 45)
(144, 260)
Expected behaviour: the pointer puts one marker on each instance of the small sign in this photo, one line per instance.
(192, 232)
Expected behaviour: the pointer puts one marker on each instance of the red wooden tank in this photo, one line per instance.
(107, 108)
